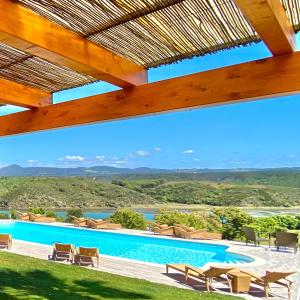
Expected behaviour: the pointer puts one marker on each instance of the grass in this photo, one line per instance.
(29, 278)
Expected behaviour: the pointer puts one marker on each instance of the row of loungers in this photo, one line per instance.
(237, 280)
(95, 224)
(185, 232)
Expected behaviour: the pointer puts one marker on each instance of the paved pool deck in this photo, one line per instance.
(266, 259)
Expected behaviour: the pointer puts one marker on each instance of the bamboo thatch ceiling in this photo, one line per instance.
(36, 72)
(155, 32)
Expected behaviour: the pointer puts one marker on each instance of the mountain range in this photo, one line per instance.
(107, 171)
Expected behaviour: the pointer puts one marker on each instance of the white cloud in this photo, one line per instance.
(190, 151)
(142, 153)
(32, 161)
(157, 149)
(196, 159)
(100, 157)
(120, 162)
(72, 158)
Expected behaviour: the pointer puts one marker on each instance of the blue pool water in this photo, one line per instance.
(147, 249)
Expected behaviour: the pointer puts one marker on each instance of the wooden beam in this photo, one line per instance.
(264, 78)
(25, 30)
(21, 95)
(271, 22)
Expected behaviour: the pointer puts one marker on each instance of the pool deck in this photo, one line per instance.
(266, 259)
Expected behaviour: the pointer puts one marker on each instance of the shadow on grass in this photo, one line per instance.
(43, 285)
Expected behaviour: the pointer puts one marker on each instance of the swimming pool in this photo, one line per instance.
(146, 249)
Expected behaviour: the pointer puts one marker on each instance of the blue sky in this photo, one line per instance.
(255, 134)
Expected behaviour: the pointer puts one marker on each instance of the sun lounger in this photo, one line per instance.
(207, 276)
(79, 222)
(91, 221)
(286, 239)
(5, 240)
(103, 224)
(40, 218)
(252, 236)
(63, 251)
(274, 278)
(168, 230)
(87, 256)
(194, 234)
(24, 217)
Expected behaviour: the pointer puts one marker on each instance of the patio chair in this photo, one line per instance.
(286, 239)
(167, 230)
(79, 222)
(252, 236)
(5, 240)
(213, 273)
(87, 256)
(274, 278)
(63, 251)
(103, 224)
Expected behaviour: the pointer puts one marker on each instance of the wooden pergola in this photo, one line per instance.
(47, 46)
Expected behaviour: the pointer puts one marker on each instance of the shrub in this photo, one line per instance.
(37, 210)
(197, 220)
(13, 214)
(129, 219)
(232, 220)
(4, 216)
(50, 213)
(76, 212)
(275, 223)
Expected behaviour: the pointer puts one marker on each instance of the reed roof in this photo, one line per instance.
(147, 32)
(18, 66)
(155, 32)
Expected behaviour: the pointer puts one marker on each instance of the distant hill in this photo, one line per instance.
(279, 177)
(85, 192)
(16, 170)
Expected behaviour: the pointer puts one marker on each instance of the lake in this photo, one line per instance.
(150, 213)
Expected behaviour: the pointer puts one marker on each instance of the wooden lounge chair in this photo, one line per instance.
(5, 240)
(79, 222)
(252, 236)
(103, 224)
(212, 235)
(192, 234)
(286, 239)
(63, 251)
(168, 230)
(87, 256)
(274, 278)
(41, 218)
(91, 221)
(207, 276)
(24, 217)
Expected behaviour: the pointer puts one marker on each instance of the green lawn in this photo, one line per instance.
(27, 278)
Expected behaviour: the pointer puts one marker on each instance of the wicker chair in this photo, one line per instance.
(252, 236)
(87, 256)
(286, 239)
(5, 241)
(63, 252)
